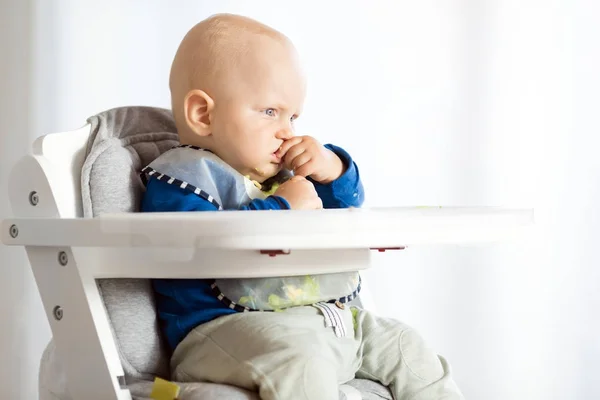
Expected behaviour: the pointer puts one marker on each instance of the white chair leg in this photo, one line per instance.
(79, 324)
(80, 327)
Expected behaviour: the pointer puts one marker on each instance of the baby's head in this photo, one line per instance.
(236, 89)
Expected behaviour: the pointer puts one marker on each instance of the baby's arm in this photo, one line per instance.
(162, 197)
(347, 190)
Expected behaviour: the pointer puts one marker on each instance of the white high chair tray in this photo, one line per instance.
(277, 230)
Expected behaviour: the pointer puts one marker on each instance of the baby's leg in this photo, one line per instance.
(396, 355)
(282, 356)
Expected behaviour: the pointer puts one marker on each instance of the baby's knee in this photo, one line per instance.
(404, 350)
(418, 357)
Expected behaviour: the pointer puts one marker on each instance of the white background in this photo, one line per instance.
(462, 102)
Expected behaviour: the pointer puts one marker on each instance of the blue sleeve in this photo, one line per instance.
(346, 191)
(162, 197)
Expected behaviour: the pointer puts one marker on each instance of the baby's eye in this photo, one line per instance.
(270, 112)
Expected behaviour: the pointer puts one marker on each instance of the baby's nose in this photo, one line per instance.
(284, 134)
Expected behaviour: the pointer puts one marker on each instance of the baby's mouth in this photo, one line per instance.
(276, 159)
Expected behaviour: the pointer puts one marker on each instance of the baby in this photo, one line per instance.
(237, 88)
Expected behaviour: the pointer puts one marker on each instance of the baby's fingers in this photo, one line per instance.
(306, 168)
(287, 145)
(299, 161)
(295, 157)
(318, 203)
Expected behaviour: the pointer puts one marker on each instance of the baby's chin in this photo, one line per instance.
(262, 174)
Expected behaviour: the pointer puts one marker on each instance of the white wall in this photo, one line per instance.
(462, 102)
(24, 330)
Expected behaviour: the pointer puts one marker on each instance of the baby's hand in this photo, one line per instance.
(307, 157)
(300, 193)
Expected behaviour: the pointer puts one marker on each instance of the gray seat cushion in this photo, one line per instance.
(123, 140)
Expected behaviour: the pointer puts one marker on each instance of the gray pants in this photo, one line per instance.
(293, 355)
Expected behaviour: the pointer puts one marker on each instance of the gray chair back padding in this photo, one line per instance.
(122, 141)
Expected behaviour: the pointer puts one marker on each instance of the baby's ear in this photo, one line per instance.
(197, 108)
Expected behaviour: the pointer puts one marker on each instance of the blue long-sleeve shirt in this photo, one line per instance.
(183, 304)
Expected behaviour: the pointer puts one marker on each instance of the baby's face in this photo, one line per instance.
(257, 112)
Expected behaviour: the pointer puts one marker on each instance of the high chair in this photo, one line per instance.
(74, 201)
